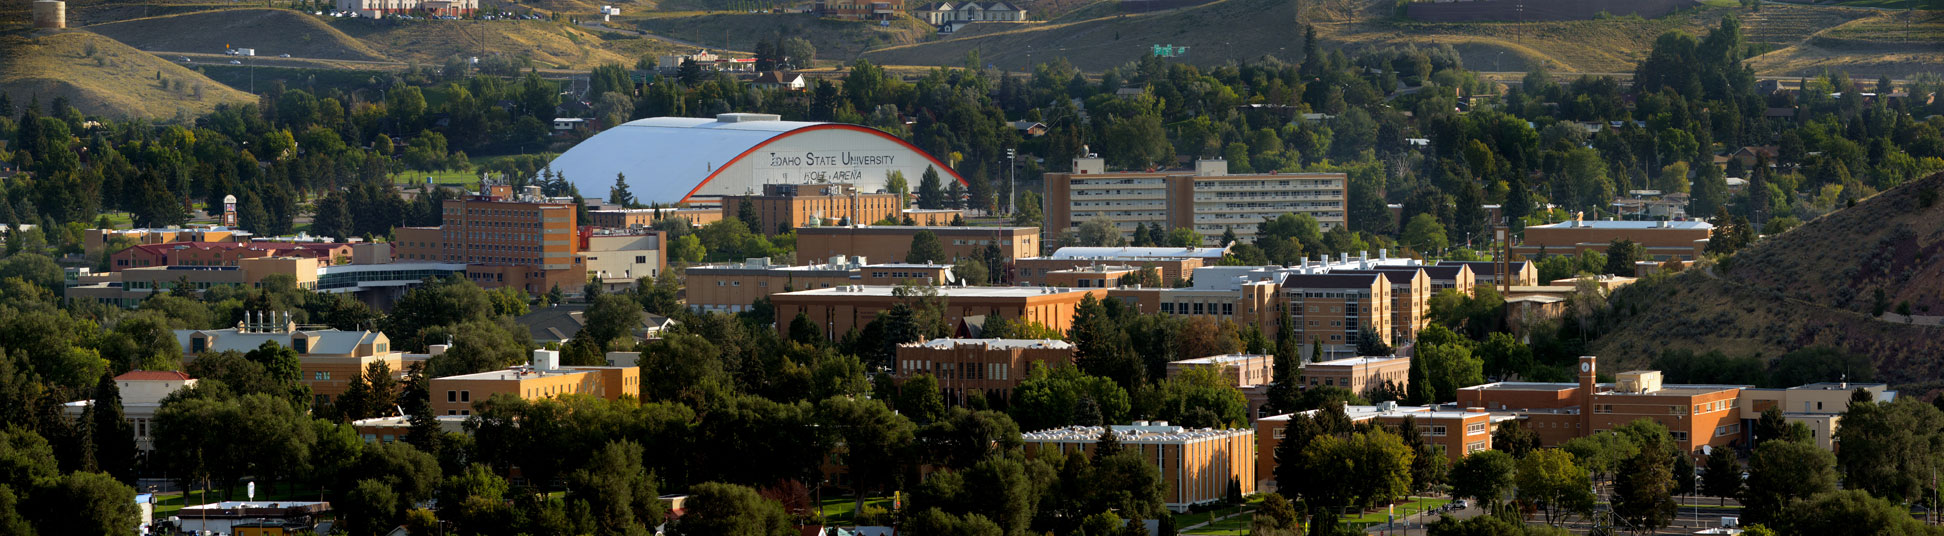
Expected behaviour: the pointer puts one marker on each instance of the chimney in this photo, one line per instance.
(1383, 254)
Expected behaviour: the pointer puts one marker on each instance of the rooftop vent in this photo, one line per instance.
(746, 118)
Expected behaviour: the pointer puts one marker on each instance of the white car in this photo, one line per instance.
(236, 62)
(283, 55)
(187, 60)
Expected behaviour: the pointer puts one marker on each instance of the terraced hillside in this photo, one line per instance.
(1814, 285)
(1899, 44)
(838, 40)
(554, 45)
(1783, 24)
(270, 31)
(103, 76)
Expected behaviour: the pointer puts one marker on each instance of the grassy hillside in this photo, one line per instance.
(270, 31)
(1895, 43)
(838, 40)
(1815, 285)
(102, 76)
(548, 44)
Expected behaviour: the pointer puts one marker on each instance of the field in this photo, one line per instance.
(1869, 43)
(838, 40)
(103, 76)
(270, 31)
(548, 44)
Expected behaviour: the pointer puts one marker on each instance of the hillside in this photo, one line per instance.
(548, 44)
(1814, 285)
(270, 31)
(1900, 44)
(838, 40)
(102, 76)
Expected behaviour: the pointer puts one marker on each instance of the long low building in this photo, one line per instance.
(328, 359)
(544, 377)
(979, 367)
(735, 287)
(893, 242)
(1460, 431)
(1175, 264)
(1197, 465)
(377, 285)
(837, 310)
(1662, 240)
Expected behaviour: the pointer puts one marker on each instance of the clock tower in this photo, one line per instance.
(1589, 382)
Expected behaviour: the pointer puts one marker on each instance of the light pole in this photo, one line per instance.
(1012, 181)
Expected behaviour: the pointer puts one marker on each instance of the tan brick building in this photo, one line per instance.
(223, 253)
(1174, 263)
(1207, 198)
(1197, 465)
(983, 367)
(95, 240)
(1524, 272)
(1663, 240)
(893, 243)
(526, 241)
(543, 378)
(619, 258)
(1460, 432)
(839, 309)
(328, 359)
(783, 207)
(646, 217)
(735, 287)
(1333, 309)
(1099, 276)
(1359, 374)
(1240, 370)
(1410, 300)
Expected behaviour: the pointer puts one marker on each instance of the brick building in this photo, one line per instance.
(96, 240)
(1460, 432)
(1174, 263)
(222, 253)
(328, 359)
(1697, 415)
(893, 242)
(1197, 465)
(783, 207)
(734, 287)
(1663, 240)
(1486, 272)
(528, 242)
(541, 378)
(1359, 374)
(981, 367)
(1334, 309)
(1410, 300)
(839, 309)
(1207, 198)
(646, 217)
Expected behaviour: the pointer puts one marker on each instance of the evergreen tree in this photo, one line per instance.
(931, 192)
(1228, 237)
(926, 248)
(114, 439)
(954, 196)
(1140, 236)
(1417, 389)
(619, 194)
(1518, 203)
(746, 211)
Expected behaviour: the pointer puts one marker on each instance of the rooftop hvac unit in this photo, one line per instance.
(546, 360)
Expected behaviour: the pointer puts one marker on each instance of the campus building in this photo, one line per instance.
(97, 240)
(544, 377)
(1663, 240)
(1240, 294)
(328, 359)
(621, 218)
(619, 258)
(735, 287)
(380, 8)
(1459, 432)
(1334, 309)
(1522, 272)
(1249, 373)
(1174, 263)
(1096, 276)
(142, 392)
(1410, 300)
(1198, 466)
(783, 207)
(1207, 198)
(527, 242)
(1360, 374)
(893, 242)
(979, 367)
(377, 285)
(223, 253)
(839, 309)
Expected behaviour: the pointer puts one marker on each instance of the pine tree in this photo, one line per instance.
(1108, 443)
(931, 192)
(954, 196)
(1140, 236)
(1417, 389)
(1228, 236)
(619, 194)
(114, 439)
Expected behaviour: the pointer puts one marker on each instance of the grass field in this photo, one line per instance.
(103, 76)
(450, 177)
(548, 44)
(167, 504)
(841, 510)
(837, 40)
(270, 31)
(1403, 509)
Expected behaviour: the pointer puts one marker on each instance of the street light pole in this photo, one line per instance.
(1012, 181)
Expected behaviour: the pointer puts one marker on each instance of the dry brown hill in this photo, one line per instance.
(1814, 285)
(102, 76)
(270, 31)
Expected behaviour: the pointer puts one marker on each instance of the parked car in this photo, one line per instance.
(187, 60)
(236, 62)
(283, 55)
(1461, 504)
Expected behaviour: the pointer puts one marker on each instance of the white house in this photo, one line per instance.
(142, 392)
(779, 80)
(944, 13)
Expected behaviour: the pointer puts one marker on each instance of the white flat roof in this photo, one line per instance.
(994, 343)
(1364, 360)
(948, 292)
(1137, 253)
(1626, 224)
(1220, 359)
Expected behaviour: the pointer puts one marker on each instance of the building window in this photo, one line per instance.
(452, 396)
(321, 376)
(1680, 436)
(465, 396)
(1475, 428)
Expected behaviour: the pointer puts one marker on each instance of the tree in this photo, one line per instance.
(1417, 383)
(730, 510)
(619, 194)
(931, 190)
(610, 318)
(1424, 234)
(85, 503)
(1851, 512)
(618, 490)
(1724, 475)
(1643, 492)
(926, 248)
(1890, 449)
(919, 399)
(1622, 254)
(113, 437)
(1485, 476)
(1549, 480)
(868, 430)
(1781, 472)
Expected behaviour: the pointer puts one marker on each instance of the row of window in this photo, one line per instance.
(1198, 308)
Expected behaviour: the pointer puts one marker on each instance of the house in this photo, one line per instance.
(1030, 129)
(945, 13)
(779, 80)
(1748, 155)
(142, 392)
(859, 9)
(562, 322)
(564, 125)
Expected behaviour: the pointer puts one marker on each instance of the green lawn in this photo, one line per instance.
(840, 510)
(1237, 525)
(166, 504)
(1403, 510)
(450, 177)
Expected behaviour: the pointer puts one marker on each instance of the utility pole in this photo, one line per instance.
(1012, 181)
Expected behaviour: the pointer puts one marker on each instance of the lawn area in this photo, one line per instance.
(450, 177)
(1236, 525)
(840, 510)
(1403, 510)
(166, 504)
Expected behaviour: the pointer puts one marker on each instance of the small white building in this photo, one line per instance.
(142, 392)
(944, 13)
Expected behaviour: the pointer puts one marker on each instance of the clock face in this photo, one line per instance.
(1586, 367)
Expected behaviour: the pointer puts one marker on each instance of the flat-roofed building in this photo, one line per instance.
(647, 217)
(328, 359)
(1198, 466)
(1240, 370)
(1410, 300)
(541, 378)
(1334, 310)
(837, 310)
(1245, 295)
(97, 240)
(257, 518)
(893, 242)
(1698, 416)
(1460, 431)
(397, 427)
(735, 287)
(619, 258)
(142, 392)
(784, 207)
(1096, 276)
(1207, 198)
(1174, 263)
(1685, 240)
(1486, 272)
(1820, 406)
(1459, 278)
(377, 285)
(979, 367)
(222, 253)
(525, 241)
(933, 216)
(1359, 374)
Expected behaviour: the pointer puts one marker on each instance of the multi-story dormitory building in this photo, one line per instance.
(1207, 198)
